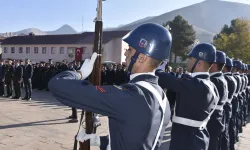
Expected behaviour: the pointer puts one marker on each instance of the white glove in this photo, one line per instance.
(162, 67)
(108, 147)
(94, 139)
(87, 66)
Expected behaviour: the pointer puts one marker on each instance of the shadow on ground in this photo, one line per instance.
(36, 123)
(41, 99)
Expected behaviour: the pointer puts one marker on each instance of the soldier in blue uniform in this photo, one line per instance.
(248, 88)
(195, 100)
(236, 75)
(216, 125)
(244, 93)
(228, 140)
(241, 98)
(138, 111)
(247, 91)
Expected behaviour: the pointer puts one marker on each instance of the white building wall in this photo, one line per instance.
(37, 57)
(112, 51)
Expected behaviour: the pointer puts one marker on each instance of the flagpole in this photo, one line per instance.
(95, 77)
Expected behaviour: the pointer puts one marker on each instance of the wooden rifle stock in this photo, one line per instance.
(95, 79)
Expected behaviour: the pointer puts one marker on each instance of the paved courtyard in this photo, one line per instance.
(40, 124)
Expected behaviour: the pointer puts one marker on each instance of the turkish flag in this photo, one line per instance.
(78, 54)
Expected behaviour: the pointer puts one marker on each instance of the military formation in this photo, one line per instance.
(208, 110)
(210, 107)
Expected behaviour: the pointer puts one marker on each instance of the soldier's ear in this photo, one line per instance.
(142, 58)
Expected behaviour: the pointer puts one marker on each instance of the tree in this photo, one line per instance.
(183, 35)
(234, 40)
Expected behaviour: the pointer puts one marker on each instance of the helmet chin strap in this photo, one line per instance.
(132, 61)
(196, 62)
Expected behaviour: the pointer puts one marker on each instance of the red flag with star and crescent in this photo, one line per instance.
(78, 54)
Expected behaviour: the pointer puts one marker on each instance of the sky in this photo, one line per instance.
(49, 15)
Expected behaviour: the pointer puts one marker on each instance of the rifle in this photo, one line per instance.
(95, 77)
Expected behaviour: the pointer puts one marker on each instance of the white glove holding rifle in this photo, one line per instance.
(87, 66)
(94, 139)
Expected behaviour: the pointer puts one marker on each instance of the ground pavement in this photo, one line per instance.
(40, 124)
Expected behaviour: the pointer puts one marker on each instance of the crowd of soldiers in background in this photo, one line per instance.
(41, 73)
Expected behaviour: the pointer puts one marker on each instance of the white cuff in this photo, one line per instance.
(94, 139)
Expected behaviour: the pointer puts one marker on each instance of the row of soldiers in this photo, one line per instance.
(232, 80)
(43, 72)
(234, 109)
(15, 74)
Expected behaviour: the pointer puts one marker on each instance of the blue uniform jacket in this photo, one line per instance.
(246, 79)
(243, 80)
(239, 82)
(216, 123)
(133, 111)
(193, 101)
(232, 85)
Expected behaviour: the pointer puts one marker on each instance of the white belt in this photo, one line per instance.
(162, 103)
(229, 100)
(219, 107)
(193, 123)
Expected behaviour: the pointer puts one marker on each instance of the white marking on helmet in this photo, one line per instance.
(200, 54)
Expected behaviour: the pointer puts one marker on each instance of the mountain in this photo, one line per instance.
(34, 30)
(208, 17)
(24, 32)
(65, 29)
(130, 24)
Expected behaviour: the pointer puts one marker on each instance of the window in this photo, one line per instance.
(71, 50)
(44, 50)
(61, 50)
(20, 50)
(84, 50)
(12, 49)
(36, 50)
(5, 50)
(27, 50)
(53, 50)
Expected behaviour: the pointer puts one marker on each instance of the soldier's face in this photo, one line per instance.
(129, 53)
(119, 66)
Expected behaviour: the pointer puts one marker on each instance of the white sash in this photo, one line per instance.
(193, 123)
(162, 103)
